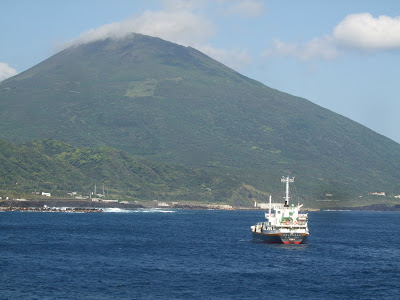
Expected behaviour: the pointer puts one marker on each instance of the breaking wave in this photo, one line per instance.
(142, 210)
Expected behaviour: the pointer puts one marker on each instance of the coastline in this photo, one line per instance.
(89, 206)
(62, 205)
(53, 209)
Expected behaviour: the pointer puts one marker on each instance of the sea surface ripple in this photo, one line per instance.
(188, 254)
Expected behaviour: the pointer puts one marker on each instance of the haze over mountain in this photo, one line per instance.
(174, 104)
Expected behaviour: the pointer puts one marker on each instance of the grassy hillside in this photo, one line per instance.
(173, 104)
(26, 168)
(52, 166)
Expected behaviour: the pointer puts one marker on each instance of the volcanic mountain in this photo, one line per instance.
(170, 103)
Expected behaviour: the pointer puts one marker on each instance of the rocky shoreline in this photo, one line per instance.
(372, 207)
(61, 205)
(53, 209)
(75, 205)
(89, 206)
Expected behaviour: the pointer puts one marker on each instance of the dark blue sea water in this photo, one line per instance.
(187, 254)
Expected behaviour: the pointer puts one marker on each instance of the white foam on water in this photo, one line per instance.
(141, 210)
(117, 210)
(155, 210)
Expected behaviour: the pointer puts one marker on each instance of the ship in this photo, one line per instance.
(285, 223)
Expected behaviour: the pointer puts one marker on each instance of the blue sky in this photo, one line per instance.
(343, 55)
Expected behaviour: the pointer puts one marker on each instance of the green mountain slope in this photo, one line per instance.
(26, 168)
(54, 166)
(171, 103)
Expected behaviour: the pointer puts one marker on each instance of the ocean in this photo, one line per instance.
(195, 254)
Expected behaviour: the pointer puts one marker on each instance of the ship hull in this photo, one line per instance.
(281, 238)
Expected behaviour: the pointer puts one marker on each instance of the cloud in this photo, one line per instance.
(361, 32)
(323, 48)
(6, 71)
(180, 26)
(246, 8)
(181, 4)
(364, 32)
(235, 59)
(177, 23)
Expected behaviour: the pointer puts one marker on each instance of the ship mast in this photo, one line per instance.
(270, 205)
(287, 180)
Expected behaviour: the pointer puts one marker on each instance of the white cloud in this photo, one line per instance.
(6, 71)
(246, 8)
(364, 32)
(235, 59)
(177, 23)
(181, 26)
(323, 48)
(357, 31)
(181, 4)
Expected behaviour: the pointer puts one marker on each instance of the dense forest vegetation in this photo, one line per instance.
(58, 168)
(52, 166)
